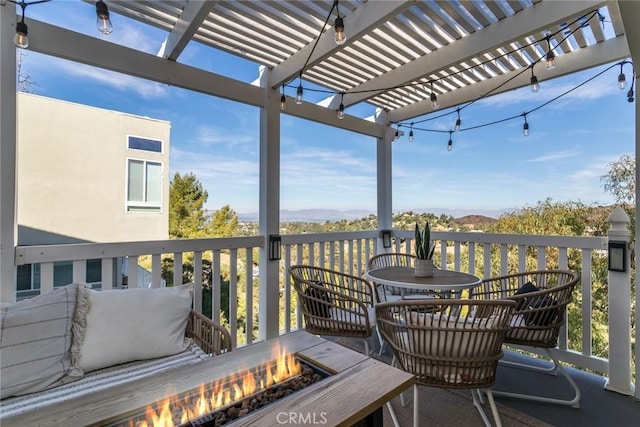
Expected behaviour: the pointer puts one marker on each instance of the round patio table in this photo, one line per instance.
(442, 280)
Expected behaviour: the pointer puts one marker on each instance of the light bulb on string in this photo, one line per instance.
(622, 80)
(340, 36)
(525, 127)
(21, 39)
(103, 23)
(458, 121)
(341, 108)
(551, 57)
(411, 133)
(283, 100)
(397, 134)
(535, 86)
(299, 91)
(450, 143)
(434, 98)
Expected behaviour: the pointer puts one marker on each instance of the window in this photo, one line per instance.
(29, 276)
(145, 144)
(144, 186)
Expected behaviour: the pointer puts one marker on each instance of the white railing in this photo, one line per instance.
(484, 254)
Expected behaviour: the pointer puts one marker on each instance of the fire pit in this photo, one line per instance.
(365, 383)
(227, 399)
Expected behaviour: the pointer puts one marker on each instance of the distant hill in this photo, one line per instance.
(473, 221)
(322, 215)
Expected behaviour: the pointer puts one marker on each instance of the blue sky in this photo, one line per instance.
(571, 144)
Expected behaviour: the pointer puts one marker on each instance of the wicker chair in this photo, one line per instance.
(396, 260)
(212, 338)
(335, 303)
(542, 298)
(447, 343)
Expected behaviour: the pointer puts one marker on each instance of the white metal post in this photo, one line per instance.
(384, 179)
(8, 144)
(619, 294)
(269, 208)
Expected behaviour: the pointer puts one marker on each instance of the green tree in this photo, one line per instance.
(187, 216)
(620, 181)
(224, 222)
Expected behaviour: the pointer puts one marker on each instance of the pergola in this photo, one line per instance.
(397, 55)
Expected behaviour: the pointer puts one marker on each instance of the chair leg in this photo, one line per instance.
(573, 402)
(477, 402)
(367, 351)
(494, 408)
(416, 419)
(381, 341)
(394, 363)
(394, 417)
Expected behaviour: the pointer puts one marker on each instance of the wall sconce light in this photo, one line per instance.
(275, 247)
(386, 238)
(617, 253)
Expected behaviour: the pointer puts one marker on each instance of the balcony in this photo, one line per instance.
(233, 259)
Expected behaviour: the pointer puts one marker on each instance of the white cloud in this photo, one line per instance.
(558, 155)
(144, 88)
(598, 88)
(213, 135)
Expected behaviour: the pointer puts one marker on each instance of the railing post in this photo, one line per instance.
(619, 293)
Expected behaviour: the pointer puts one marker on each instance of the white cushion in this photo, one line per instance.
(521, 331)
(134, 324)
(351, 317)
(35, 341)
(447, 343)
(99, 380)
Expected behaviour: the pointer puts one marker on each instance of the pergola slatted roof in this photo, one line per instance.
(397, 52)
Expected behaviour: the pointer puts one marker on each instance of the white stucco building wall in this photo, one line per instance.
(74, 174)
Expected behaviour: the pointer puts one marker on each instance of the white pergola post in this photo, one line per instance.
(384, 179)
(619, 292)
(629, 11)
(269, 216)
(8, 142)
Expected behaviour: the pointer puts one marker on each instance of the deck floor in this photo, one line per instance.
(598, 407)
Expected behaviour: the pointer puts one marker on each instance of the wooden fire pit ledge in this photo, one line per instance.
(354, 394)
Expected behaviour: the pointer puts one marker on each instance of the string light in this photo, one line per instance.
(340, 37)
(630, 93)
(434, 98)
(103, 23)
(551, 57)
(299, 91)
(622, 83)
(283, 100)
(535, 86)
(450, 143)
(525, 127)
(21, 39)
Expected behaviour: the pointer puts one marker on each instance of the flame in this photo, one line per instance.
(221, 393)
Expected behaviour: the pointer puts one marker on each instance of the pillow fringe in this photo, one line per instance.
(78, 330)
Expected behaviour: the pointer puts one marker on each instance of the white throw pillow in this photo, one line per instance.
(35, 341)
(126, 325)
